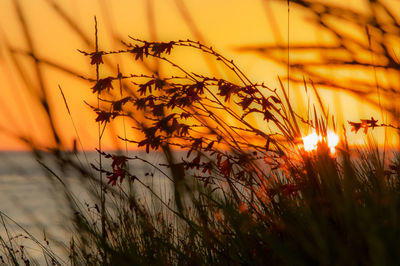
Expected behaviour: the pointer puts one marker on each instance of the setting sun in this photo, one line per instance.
(311, 141)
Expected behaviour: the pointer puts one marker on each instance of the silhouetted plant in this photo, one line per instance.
(243, 192)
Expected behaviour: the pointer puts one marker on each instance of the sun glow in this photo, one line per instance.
(310, 142)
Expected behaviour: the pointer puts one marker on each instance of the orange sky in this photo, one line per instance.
(224, 24)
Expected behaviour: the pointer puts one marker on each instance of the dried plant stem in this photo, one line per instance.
(42, 93)
(102, 187)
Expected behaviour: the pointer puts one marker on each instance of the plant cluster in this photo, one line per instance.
(241, 193)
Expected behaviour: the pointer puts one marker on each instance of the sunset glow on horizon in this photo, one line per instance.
(246, 36)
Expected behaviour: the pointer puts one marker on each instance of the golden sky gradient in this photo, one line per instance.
(224, 24)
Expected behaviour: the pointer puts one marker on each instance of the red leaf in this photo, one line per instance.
(144, 87)
(225, 168)
(103, 116)
(246, 101)
(113, 177)
(97, 58)
(268, 115)
(227, 89)
(119, 161)
(275, 99)
(355, 126)
(103, 84)
(117, 105)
